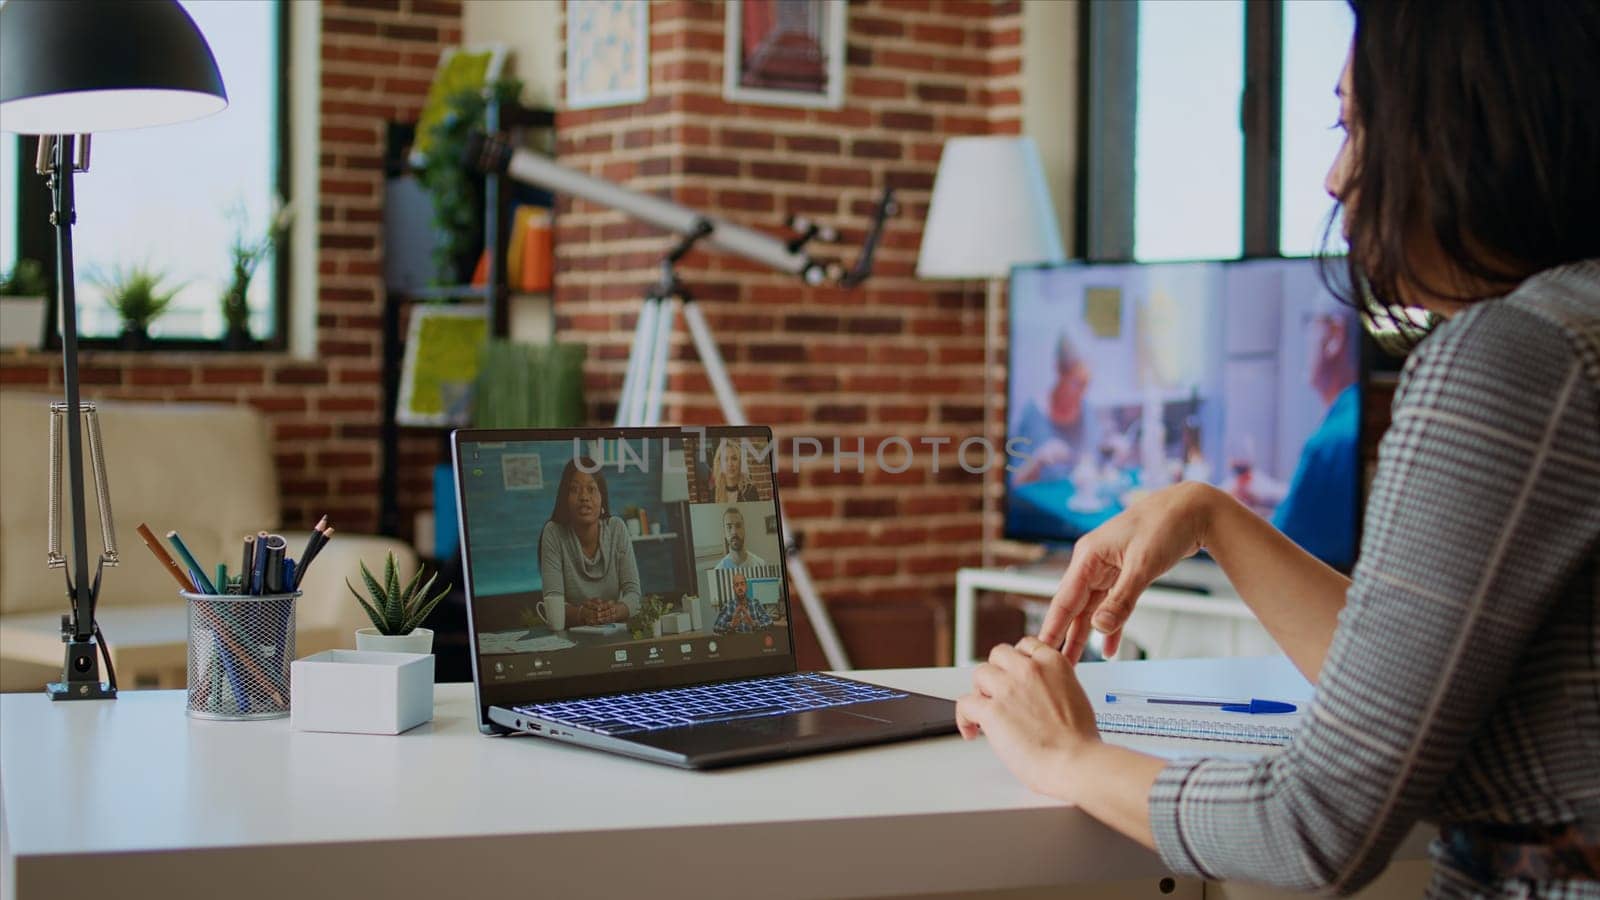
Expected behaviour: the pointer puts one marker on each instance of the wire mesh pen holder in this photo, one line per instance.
(240, 648)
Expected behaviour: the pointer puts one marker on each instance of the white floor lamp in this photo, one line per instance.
(990, 211)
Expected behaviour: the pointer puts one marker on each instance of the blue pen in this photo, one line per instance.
(200, 579)
(258, 576)
(1252, 705)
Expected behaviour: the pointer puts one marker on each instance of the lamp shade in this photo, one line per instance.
(991, 210)
(85, 66)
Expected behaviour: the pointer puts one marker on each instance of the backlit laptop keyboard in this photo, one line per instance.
(674, 707)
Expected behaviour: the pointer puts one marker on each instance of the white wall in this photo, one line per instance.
(1050, 97)
(531, 29)
(305, 79)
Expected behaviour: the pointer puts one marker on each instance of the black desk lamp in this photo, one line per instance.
(69, 68)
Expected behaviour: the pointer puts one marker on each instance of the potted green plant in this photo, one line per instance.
(456, 189)
(245, 255)
(139, 296)
(24, 298)
(646, 623)
(397, 612)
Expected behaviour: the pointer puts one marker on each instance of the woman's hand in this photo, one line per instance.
(603, 612)
(1113, 564)
(1029, 704)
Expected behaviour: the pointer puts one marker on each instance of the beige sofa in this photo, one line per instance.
(203, 470)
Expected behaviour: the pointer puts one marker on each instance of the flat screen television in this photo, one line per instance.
(1124, 378)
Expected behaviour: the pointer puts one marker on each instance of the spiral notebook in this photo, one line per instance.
(1197, 723)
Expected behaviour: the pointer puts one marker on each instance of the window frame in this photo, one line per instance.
(36, 237)
(1109, 81)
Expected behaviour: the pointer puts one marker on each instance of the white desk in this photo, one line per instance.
(129, 798)
(1217, 623)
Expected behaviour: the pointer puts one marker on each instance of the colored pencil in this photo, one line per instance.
(165, 558)
(200, 579)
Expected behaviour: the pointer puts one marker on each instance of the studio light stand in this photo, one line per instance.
(645, 380)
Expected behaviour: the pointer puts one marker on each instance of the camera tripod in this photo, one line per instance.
(640, 405)
(645, 381)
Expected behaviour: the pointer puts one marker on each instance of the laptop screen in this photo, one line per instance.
(610, 553)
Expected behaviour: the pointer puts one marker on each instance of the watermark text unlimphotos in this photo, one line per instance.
(974, 455)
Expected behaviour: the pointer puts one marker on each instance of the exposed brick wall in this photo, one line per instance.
(897, 356)
(377, 60)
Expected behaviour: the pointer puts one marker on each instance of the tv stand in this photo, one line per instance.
(1193, 590)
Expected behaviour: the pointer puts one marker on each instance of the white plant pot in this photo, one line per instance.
(22, 321)
(361, 691)
(420, 640)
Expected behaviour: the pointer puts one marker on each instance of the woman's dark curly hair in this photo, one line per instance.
(1475, 135)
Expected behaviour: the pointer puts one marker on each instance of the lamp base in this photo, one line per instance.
(82, 675)
(80, 690)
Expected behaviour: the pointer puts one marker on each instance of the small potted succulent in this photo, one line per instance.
(397, 612)
(24, 298)
(139, 297)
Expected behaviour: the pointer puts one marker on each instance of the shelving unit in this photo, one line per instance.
(494, 294)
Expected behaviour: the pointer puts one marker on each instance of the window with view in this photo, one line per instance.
(1188, 195)
(1193, 141)
(1316, 39)
(173, 201)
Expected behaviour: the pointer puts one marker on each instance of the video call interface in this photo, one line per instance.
(1128, 378)
(591, 556)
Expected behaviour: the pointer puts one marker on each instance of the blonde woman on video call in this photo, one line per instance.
(730, 478)
(1457, 670)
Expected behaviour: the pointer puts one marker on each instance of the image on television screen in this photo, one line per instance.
(1128, 378)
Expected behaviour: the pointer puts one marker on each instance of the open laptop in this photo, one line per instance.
(627, 590)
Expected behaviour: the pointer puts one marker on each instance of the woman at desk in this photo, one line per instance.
(1458, 670)
(585, 555)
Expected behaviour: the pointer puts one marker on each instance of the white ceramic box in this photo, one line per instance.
(676, 623)
(361, 691)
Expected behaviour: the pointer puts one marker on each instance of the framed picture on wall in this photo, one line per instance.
(785, 52)
(459, 69)
(608, 52)
(440, 364)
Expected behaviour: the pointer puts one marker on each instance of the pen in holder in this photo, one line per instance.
(240, 648)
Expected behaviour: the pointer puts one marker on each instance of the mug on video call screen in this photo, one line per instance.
(603, 555)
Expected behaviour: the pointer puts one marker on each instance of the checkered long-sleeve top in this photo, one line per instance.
(1463, 681)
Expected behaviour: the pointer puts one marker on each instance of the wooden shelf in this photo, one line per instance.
(494, 296)
(449, 292)
(664, 536)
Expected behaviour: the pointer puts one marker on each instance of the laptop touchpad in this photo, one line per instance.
(808, 724)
